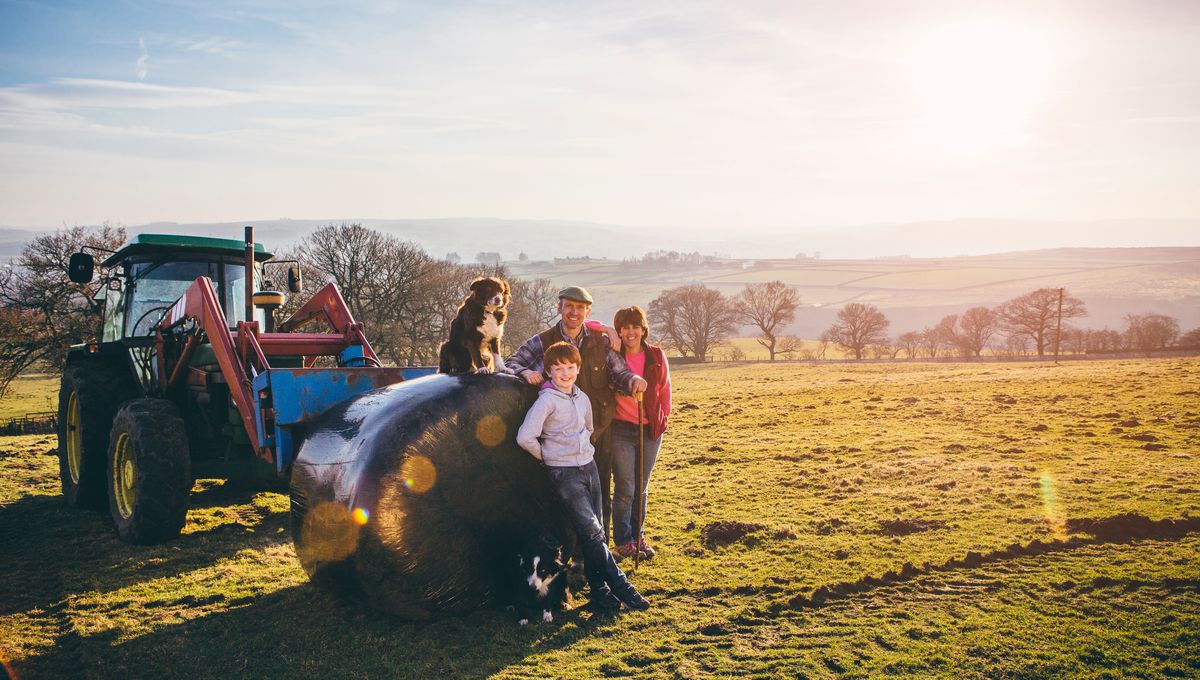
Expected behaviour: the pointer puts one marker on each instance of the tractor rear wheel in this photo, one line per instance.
(88, 398)
(149, 471)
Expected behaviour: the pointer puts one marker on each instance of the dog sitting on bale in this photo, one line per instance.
(474, 344)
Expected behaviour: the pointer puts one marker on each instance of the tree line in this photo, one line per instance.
(407, 298)
(694, 320)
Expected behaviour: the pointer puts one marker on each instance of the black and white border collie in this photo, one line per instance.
(536, 583)
(474, 344)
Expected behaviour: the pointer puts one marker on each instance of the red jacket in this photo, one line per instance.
(658, 394)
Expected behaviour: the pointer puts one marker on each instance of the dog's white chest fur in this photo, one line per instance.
(490, 329)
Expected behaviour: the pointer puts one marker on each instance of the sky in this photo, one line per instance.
(743, 117)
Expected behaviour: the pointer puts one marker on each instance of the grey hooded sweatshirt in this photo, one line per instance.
(558, 428)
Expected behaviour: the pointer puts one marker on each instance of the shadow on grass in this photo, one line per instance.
(50, 551)
(304, 631)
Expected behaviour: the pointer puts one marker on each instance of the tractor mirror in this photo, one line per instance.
(294, 278)
(81, 267)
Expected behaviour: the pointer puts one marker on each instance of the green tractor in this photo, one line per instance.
(192, 378)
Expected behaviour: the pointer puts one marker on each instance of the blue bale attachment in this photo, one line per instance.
(298, 395)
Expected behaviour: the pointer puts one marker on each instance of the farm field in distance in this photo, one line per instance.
(914, 292)
(913, 519)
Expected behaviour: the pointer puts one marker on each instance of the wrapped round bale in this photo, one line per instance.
(418, 491)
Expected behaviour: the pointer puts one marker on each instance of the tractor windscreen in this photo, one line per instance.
(158, 284)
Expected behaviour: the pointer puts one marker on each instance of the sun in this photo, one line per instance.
(980, 82)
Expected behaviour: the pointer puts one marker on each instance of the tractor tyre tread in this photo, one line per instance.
(164, 478)
(100, 390)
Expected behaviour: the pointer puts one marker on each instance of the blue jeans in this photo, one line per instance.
(579, 490)
(624, 462)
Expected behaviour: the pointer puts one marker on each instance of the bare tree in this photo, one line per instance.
(789, 345)
(44, 312)
(382, 279)
(1191, 339)
(1035, 315)
(931, 341)
(1074, 340)
(823, 343)
(734, 353)
(910, 343)
(1105, 340)
(976, 327)
(533, 309)
(885, 349)
(857, 326)
(692, 319)
(945, 334)
(1147, 332)
(427, 324)
(768, 306)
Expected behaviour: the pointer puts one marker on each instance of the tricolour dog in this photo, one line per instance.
(535, 582)
(474, 344)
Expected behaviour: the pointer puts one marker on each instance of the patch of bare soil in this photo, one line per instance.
(724, 532)
(1130, 526)
(904, 527)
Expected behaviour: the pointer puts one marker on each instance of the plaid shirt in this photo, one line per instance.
(528, 359)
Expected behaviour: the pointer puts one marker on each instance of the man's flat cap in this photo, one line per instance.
(575, 293)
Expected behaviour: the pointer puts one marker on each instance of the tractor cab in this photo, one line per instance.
(148, 274)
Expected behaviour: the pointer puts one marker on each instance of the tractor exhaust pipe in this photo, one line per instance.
(249, 274)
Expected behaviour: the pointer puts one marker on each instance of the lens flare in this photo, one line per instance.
(490, 431)
(8, 670)
(360, 515)
(1054, 520)
(330, 532)
(418, 474)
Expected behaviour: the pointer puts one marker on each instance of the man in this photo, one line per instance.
(603, 373)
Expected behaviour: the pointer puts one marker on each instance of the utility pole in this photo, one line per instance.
(1058, 332)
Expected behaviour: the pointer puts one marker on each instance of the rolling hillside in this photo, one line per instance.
(917, 292)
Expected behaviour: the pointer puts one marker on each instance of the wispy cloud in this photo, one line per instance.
(142, 67)
(89, 93)
(213, 44)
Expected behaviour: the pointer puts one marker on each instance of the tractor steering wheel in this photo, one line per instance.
(147, 313)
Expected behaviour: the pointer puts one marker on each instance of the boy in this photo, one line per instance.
(557, 431)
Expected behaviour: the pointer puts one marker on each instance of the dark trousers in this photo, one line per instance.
(604, 467)
(579, 490)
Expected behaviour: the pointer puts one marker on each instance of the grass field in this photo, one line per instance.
(1020, 519)
(30, 393)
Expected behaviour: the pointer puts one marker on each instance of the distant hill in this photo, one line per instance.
(545, 239)
(13, 240)
(914, 291)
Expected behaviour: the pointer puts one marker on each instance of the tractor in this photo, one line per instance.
(193, 378)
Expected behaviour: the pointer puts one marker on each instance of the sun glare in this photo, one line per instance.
(979, 83)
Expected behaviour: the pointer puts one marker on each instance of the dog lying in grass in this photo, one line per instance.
(535, 583)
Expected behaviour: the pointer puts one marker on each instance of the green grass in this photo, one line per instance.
(30, 393)
(850, 471)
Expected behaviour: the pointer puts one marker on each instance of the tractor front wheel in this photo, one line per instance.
(149, 471)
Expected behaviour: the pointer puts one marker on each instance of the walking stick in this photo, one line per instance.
(639, 488)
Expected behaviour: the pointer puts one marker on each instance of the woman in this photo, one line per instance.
(647, 361)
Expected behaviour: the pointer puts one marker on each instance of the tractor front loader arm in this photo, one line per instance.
(328, 304)
(199, 304)
(270, 400)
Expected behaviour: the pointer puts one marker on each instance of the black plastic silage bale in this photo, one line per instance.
(417, 491)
